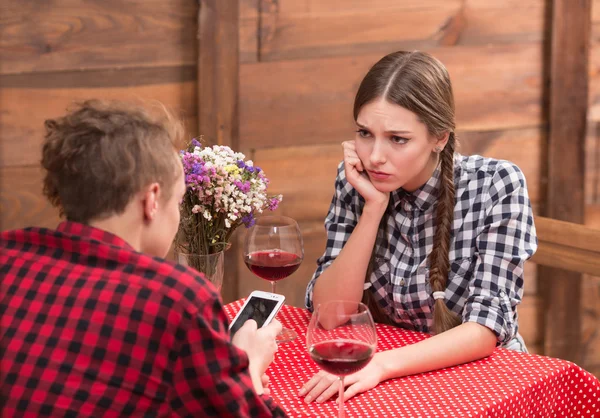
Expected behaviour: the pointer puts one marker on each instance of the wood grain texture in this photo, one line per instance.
(528, 312)
(218, 94)
(305, 175)
(218, 72)
(78, 34)
(27, 100)
(590, 332)
(567, 246)
(299, 29)
(571, 23)
(310, 101)
(21, 201)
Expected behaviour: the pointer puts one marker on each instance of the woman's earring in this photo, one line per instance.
(438, 149)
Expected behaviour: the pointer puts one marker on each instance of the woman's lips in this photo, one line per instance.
(378, 175)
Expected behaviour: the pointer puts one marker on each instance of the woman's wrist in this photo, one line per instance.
(389, 365)
(375, 208)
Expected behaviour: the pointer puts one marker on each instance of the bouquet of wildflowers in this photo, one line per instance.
(223, 191)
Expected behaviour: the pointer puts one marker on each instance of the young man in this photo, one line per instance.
(93, 321)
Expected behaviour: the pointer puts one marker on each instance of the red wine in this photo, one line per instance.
(341, 357)
(272, 265)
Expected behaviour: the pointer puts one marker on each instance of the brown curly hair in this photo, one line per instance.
(102, 153)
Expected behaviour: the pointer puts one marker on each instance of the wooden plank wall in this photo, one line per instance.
(300, 64)
(54, 53)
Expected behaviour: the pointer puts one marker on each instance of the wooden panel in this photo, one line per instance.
(566, 147)
(218, 72)
(21, 201)
(529, 328)
(567, 246)
(292, 29)
(305, 174)
(218, 81)
(591, 323)
(310, 101)
(43, 96)
(592, 216)
(78, 34)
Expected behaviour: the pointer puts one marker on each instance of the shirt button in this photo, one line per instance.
(402, 282)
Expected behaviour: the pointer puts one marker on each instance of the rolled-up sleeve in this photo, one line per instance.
(339, 224)
(507, 239)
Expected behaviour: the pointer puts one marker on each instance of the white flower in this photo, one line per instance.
(196, 209)
(227, 223)
(207, 215)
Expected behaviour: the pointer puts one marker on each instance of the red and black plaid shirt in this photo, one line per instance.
(90, 327)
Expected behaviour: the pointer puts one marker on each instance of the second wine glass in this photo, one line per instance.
(341, 339)
(273, 250)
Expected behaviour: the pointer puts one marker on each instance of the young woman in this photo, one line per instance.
(431, 240)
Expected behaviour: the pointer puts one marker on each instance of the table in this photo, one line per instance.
(505, 384)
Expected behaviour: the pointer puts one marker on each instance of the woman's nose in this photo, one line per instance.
(378, 153)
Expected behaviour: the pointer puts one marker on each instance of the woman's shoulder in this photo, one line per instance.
(477, 166)
(491, 177)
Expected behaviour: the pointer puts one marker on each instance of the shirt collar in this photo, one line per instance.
(87, 231)
(422, 198)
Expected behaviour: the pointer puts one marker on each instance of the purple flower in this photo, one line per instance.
(248, 220)
(273, 203)
(244, 186)
(196, 143)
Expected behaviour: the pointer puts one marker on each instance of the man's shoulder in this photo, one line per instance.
(130, 268)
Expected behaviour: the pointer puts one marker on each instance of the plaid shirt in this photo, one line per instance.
(90, 327)
(492, 236)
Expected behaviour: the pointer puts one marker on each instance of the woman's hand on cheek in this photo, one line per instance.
(358, 177)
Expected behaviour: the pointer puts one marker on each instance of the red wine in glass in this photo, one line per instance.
(341, 357)
(273, 249)
(272, 265)
(342, 339)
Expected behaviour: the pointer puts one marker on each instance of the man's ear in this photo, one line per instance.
(150, 201)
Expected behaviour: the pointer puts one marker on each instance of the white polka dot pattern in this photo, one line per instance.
(507, 384)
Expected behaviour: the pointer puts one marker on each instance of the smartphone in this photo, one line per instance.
(260, 306)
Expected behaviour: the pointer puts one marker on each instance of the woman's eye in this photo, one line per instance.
(363, 133)
(399, 140)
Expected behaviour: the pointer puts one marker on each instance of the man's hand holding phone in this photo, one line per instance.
(259, 343)
(260, 346)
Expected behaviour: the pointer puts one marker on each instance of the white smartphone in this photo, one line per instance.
(260, 306)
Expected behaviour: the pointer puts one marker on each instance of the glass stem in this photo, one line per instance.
(341, 398)
(273, 287)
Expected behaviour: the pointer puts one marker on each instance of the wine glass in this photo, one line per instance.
(341, 339)
(273, 250)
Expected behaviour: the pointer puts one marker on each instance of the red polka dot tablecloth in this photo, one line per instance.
(506, 384)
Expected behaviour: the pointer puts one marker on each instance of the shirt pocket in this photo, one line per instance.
(380, 284)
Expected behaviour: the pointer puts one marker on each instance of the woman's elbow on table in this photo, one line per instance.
(486, 337)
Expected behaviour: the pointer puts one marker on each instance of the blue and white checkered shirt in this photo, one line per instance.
(492, 236)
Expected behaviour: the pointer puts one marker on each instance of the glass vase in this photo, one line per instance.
(211, 265)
